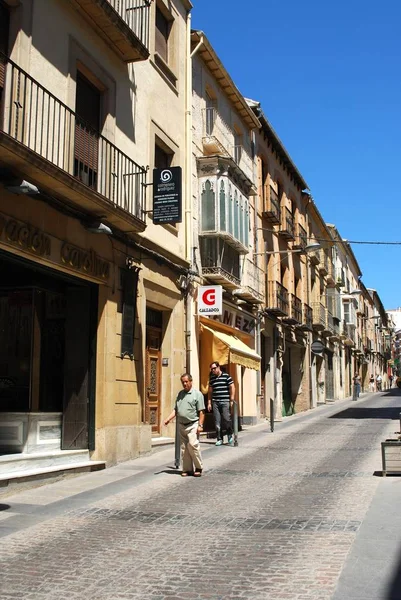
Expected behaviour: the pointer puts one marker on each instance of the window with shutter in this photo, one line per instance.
(87, 121)
(4, 32)
(162, 33)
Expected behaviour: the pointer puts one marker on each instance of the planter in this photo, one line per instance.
(391, 457)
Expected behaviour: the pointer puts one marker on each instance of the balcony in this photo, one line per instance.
(45, 141)
(252, 289)
(287, 226)
(323, 262)
(218, 138)
(295, 316)
(271, 208)
(220, 263)
(301, 237)
(348, 334)
(277, 302)
(331, 278)
(314, 257)
(123, 25)
(328, 330)
(307, 322)
(318, 316)
(339, 277)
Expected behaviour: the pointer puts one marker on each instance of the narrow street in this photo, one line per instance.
(299, 514)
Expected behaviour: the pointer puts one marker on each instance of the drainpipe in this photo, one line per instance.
(189, 253)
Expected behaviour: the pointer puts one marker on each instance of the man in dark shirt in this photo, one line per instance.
(221, 394)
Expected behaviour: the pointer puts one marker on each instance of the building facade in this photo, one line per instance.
(94, 96)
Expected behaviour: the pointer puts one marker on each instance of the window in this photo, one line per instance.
(87, 124)
(222, 206)
(208, 208)
(4, 32)
(238, 142)
(210, 113)
(163, 27)
(163, 157)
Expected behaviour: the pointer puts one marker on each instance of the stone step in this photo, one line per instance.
(11, 463)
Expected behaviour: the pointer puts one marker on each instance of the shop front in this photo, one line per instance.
(230, 340)
(48, 325)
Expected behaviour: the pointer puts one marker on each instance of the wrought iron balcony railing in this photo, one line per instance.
(308, 317)
(271, 208)
(319, 315)
(301, 237)
(39, 121)
(287, 228)
(296, 308)
(278, 302)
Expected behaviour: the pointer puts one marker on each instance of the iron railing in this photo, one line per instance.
(296, 308)
(278, 297)
(35, 118)
(308, 316)
(136, 14)
(288, 225)
(319, 314)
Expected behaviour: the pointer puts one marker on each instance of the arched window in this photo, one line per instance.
(223, 224)
(236, 215)
(230, 211)
(241, 220)
(246, 238)
(208, 207)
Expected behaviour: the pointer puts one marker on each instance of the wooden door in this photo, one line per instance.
(76, 370)
(153, 378)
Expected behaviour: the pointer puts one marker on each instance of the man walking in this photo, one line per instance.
(221, 393)
(190, 412)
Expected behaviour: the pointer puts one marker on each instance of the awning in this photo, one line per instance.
(224, 348)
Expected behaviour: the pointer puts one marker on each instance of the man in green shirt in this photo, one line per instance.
(190, 412)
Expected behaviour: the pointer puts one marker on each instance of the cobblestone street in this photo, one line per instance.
(275, 518)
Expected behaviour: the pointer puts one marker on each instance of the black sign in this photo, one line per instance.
(167, 197)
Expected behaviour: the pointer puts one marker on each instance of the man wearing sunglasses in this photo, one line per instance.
(221, 395)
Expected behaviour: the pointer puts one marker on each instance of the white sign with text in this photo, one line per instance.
(210, 300)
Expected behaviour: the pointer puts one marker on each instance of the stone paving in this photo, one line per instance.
(272, 519)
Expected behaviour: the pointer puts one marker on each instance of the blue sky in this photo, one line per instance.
(328, 77)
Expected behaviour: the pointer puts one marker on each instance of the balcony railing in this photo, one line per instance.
(218, 138)
(287, 228)
(296, 308)
(123, 24)
(271, 208)
(301, 237)
(319, 315)
(252, 289)
(42, 123)
(308, 317)
(278, 302)
(324, 262)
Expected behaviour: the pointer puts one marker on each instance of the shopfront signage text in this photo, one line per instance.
(25, 237)
(86, 261)
(237, 320)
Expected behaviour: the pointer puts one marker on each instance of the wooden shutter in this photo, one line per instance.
(4, 32)
(87, 124)
(161, 35)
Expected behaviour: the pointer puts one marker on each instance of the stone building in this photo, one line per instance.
(94, 95)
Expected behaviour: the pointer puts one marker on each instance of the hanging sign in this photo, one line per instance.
(167, 195)
(210, 300)
(317, 347)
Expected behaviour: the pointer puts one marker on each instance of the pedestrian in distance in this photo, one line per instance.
(357, 386)
(190, 412)
(221, 395)
(372, 383)
(379, 383)
(390, 380)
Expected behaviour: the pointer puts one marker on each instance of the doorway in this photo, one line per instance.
(48, 328)
(154, 330)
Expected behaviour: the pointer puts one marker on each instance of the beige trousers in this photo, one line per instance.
(190, 447)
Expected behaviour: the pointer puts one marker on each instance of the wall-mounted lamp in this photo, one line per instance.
(183, 282)
(23, 187)
(98, 227)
